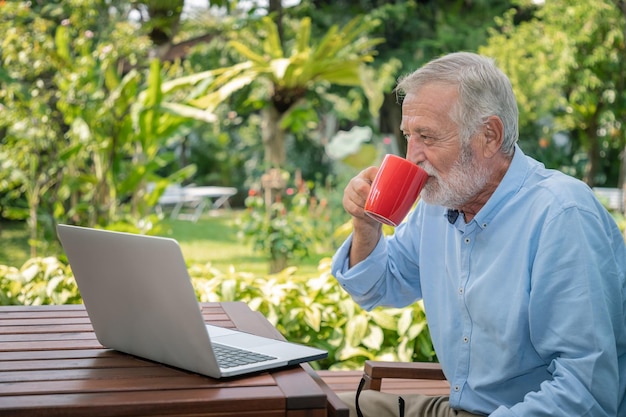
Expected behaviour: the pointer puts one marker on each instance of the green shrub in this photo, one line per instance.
(39, 281)
(316, 311)
(308, 309)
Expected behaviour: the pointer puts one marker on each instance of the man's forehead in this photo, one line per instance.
(428, 106)
(416, 123)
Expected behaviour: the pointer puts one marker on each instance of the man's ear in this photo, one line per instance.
(493, 133)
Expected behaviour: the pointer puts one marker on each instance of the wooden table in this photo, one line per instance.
(52, 365)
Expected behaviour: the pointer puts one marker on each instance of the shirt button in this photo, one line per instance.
(457, 388)
(467, 240)
(465, 339)
(461, 291)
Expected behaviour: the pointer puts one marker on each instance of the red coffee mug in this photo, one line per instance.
(394, 190)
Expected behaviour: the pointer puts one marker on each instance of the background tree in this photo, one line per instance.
(284, 75)
(567, 67)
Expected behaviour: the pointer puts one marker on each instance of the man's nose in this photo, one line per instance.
(415, 151)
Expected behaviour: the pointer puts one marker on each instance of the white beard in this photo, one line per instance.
(465, 180)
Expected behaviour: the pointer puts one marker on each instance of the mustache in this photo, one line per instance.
(429, 169)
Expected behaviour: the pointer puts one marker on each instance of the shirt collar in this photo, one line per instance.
(509, 186)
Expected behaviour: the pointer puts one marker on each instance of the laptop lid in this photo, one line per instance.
(140, 300)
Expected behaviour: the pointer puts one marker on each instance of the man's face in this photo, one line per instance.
(456, 174)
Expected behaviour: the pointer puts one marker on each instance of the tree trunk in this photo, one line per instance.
(390, 118)
(593, 153)
(273, 138)
(621, 182)
(33, 218)
(278, 263)
(275, 156)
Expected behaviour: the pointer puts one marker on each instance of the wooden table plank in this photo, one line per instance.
(29, 337)
(49, 345)
(54, 309)
(106, 362)
(211, 402)
(54, 354)
(44, 329)
(135, 384)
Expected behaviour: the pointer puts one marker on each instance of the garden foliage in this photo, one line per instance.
(308, 309)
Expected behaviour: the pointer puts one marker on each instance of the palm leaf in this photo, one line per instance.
(247, 52)
(280, 68)
(347, 74)
(188, 112)
(336, 59)
(303, 37)
(326, 45)
(271, 44)
(210, 101)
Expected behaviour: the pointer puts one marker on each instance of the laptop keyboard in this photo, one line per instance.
(228, 356)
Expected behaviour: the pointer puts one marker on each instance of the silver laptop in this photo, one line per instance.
(140, 301)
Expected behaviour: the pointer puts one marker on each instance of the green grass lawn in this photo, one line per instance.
(213, 239)
(14, 249)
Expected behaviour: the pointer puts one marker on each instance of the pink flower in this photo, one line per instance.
(289, 191)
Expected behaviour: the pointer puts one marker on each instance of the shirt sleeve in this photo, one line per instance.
(362, 280)
(576, 317)
(389, 276)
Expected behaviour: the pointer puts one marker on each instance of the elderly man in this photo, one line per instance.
(521, 270)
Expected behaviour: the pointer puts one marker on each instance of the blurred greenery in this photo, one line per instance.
(567, 68)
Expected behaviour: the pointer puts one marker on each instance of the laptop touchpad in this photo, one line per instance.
(243, 340)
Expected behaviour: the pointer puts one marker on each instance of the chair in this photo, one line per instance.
(400, 378)
(375, 371)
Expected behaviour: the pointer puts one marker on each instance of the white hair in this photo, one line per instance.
(484, 91)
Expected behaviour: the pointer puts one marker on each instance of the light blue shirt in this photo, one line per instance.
(526, 303)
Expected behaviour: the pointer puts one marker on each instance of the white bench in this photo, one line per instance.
(194, 198)
(612, 198)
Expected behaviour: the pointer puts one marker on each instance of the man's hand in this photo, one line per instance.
(366, 231)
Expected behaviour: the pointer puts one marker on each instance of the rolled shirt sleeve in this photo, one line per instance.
(389, 276)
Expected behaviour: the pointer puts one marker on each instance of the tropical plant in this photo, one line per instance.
(285, 76)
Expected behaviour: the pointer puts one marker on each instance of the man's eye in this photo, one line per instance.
(419, 137)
